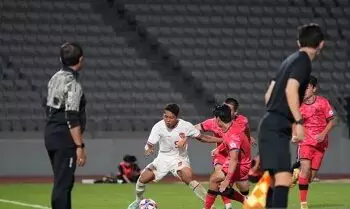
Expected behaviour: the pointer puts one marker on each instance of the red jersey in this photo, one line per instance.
(234, 138)
(211, 126)
(316, 117)
(243, 121)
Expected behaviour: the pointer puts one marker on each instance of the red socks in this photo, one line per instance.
(210, 199)
(303, 188)
(226, 200)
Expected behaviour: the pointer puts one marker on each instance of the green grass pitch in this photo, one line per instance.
(168, 196)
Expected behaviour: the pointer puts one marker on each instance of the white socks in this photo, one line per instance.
(228, 206)
(140, 190)
(198, 189)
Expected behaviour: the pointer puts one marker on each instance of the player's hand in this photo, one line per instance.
(181, 143)
(149, 151)
(214, 152)
(81, 157)
(320, 137)
(299, 133)
(224, 184)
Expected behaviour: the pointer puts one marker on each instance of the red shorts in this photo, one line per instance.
(241, 173)
(219, 159)
(313, 154)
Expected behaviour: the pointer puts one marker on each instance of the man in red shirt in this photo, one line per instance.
(220, 155)
(318, 117)
(236, 145)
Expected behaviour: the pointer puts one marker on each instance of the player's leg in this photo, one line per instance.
(185, 175)
(146, 176)
(316, 163)
(243, 187)
(219, 160)
(296, 171)
(214, 182)
(306, 157)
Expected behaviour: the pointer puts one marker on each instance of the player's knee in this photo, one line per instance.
(283, 179)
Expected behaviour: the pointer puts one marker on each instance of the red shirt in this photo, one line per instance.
(316, 117)
(211, 126)
(234, 138)
(243, 121)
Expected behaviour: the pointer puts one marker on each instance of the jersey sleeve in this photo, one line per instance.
(154, 136)
(327, 109)
(73, 94)
(233, 142)
(207, 125)
(192, 131)
(300, 71)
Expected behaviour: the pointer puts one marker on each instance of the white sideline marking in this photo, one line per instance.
(24, 204)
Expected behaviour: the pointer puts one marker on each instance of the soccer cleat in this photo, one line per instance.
(134, 205)
(295, 177)
(303, 205)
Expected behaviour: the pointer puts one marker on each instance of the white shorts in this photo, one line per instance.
(163, 164)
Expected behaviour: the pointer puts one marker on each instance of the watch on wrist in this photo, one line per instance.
(80, 145)
(299, 122)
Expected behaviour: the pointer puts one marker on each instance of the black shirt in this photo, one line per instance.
(298, 67)
(65, 109)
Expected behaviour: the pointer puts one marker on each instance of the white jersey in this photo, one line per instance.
(168, 137)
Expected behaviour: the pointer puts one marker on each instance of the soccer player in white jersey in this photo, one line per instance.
(171, 134)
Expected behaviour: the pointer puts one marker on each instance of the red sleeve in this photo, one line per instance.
(327, 109)
(207, 125)
(233, 142)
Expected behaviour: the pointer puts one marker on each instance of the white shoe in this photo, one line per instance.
(134, 205)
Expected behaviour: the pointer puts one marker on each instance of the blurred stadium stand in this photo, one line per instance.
(141, 54)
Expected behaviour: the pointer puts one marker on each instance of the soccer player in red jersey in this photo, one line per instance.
(220, 155)
(236, 167)
(318, 117)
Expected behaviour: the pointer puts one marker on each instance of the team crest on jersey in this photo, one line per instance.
(233, 145)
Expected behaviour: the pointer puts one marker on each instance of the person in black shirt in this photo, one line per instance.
(283, 99)
(65, 123)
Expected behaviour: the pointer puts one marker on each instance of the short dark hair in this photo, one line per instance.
(313, 81)
(310, 35)
(232, 101)
(223, 112)
(129, 159)
(70, 53)
(173, 108)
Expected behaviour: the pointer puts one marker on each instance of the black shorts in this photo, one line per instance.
(275, 132)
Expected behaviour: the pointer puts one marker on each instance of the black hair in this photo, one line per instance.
(223, 112)
(70, 53)
(310, 35)
(129, 159)
(173, 108)
(313, 81)
(233, 102)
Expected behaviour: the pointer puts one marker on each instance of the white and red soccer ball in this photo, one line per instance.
(147, 204)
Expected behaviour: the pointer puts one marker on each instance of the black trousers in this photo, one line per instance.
(63, 162)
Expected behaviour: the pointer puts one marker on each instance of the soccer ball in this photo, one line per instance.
(148, 204)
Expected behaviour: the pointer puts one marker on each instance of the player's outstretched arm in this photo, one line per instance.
(208, 139)
(198, 127)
